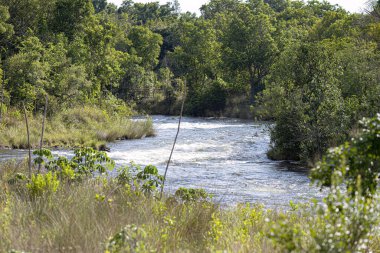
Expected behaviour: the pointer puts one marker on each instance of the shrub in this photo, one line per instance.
(148, 180)
(43, 183)
(129, 239)
(353, 161)
(192, 195)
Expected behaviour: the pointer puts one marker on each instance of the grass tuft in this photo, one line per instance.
(78, 127)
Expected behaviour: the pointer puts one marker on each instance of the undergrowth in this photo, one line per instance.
(74, 205)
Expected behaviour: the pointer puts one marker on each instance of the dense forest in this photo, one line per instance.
(86, 66)
(312, 67)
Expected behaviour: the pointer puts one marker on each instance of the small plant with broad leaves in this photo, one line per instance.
(124, 175)
(86, 162)
(17, 179)
(129, 239)
(148, 180)
(43, 156)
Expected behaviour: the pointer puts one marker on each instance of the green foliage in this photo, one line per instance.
(6, 29)
(346, 223)
(192, 195)
(255, 50)
(146, 45)
(314, 99)
(43, 184)
(129, 239)
(85, 163)
(197, 59)
(18, 178)
(288, 234)
(89, 52)
(124, 175)
(355, 164)
(147, 180)
(348, 218)
(69, 14)
(41, 154)
(99, 5)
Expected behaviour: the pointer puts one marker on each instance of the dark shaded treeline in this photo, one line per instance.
(312, 67)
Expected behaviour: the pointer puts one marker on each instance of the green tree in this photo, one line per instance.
(26, 15)
(356, 164)
(142, 13)
(6, 29)
(146, 45)
(27, 73)
(216, 7)
(99, 5)
(248, 44)
(307, 102)
(68, 15)
(197, 59)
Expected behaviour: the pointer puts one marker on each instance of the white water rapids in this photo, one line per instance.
(226, 157)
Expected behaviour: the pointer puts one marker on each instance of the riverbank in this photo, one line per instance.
(226, 157)
(67, 212)
(104, 215)
(78, 127)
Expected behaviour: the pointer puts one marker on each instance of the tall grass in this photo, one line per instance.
(92, 214)
(81, 217)
(87, 126)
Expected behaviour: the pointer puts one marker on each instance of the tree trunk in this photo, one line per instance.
(255, 80)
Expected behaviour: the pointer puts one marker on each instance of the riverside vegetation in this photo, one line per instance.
(77, 127)
(311, 67)
(74, 206)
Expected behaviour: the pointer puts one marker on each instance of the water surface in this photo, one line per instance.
(227, 157)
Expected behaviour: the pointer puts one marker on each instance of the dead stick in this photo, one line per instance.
(43, 130)
(175, 141)
(27, 132)
(2, 98)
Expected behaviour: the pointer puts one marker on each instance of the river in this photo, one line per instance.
(226, 157)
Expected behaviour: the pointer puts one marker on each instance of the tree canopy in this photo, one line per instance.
(311, 67)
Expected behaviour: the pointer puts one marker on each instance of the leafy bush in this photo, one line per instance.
(148, 180)
(192, 195)
(129, 239)
(86, 162)
(43, 184)
(348, 217)
(353, 161)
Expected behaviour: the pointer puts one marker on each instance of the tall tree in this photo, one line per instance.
(248, 43)
(215, 7)
(69, 15)
(99, 5)
(197, 59)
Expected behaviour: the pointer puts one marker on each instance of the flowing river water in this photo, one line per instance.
(226, 157)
